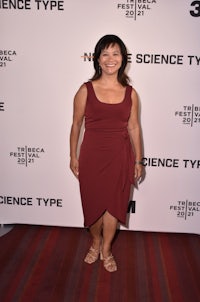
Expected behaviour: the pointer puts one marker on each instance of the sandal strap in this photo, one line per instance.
(93, 251)
(92, 255)
(110, 264)
(109, 258)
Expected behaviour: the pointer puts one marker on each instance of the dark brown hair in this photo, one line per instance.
(104, 43)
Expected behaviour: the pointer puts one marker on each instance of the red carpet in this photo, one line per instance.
(41, 263)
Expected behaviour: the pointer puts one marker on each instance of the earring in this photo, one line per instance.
(99, 69)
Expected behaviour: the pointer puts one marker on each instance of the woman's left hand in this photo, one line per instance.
(138, 172)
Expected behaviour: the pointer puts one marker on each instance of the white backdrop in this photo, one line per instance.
(44, 58)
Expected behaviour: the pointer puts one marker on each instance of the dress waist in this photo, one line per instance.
(107, 130)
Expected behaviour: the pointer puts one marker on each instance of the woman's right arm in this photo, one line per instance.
(78, 115)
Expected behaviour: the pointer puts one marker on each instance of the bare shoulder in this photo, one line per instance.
(134, 96)
(82, 91)
(81, 95)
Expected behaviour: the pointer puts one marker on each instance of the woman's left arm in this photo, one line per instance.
(134, 130)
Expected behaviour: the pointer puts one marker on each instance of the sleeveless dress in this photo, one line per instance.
(106, 160)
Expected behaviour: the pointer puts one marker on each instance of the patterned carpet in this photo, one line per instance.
(41, 263)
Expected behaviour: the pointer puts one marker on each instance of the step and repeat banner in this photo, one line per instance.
(46, 54)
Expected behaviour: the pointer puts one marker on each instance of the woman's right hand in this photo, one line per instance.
(74, 166)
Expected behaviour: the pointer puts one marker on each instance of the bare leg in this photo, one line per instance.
(109, 225)
(109, 230)
(95, 231)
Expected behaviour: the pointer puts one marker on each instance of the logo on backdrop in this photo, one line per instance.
(30, 201)
(2, 106)
(167, 59)
(189, 115)
(171, 163)
(156, 59)
(6, 57)
(131, 207)
(185, 208)
(28, 4)
(135, 8)
(27, 155)
(195, 9)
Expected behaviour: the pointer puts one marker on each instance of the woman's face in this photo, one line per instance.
(110, 59)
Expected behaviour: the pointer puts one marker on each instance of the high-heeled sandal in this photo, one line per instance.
(92, 255)
(109, 263)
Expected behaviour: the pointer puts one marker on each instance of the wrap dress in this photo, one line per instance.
(106, 159)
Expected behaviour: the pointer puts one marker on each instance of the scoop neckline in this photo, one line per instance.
(105, 102)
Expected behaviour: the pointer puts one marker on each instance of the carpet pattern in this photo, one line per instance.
(45, 263)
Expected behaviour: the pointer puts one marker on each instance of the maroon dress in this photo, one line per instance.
(106, 161)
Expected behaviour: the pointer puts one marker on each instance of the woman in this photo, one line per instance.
(107, 164)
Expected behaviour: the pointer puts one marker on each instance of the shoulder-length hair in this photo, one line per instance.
(104, 43)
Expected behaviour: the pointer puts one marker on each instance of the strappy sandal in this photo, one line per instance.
(92, 255)
(109, 263)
